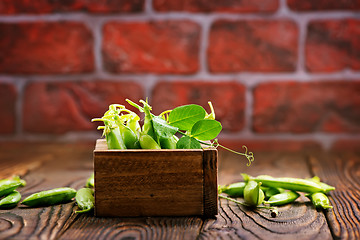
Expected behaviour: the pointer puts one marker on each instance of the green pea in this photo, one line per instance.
(234, 189)
(85, 200)
(90, 181)
(271, 191)
(50, 197)
(320, 200)
(253, 195)
(294, 184)
(11, 200)
(147, 142)
(8, 186)
(282, 198)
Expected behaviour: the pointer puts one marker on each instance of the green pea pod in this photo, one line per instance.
(294, 184)
(270, 191)
(90, 181)
(129, 138)
(112, 133)
(85, 200)
(8, 186)
(132, 122)
(234, 189)
(11, 200)
(148, 125)
(50, 197)
(168, 143)
(114, 139)
(253, 195)
(320, 200)
(325, 186)
(282, 198)
(15, 178)
(147, 142)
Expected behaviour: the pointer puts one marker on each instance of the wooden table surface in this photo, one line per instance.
(50, 165)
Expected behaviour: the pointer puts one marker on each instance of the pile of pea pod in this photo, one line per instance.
(11, 197)
(122, 129)
(264, 190)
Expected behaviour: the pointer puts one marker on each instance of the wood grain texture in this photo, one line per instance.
(143, 182)
(210, 157)
(71, 164)
(61, 170)
(295, 221)
(89, 227)
(343, 172)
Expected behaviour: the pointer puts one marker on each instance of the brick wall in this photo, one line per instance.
(282, 74)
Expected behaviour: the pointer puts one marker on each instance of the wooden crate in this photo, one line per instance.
(162, 182)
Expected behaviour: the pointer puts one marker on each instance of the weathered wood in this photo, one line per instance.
(295, 221)
(149, 182)
(71, 164)
(343, 172)
(210, 157)
(64, 167)
(89, 227)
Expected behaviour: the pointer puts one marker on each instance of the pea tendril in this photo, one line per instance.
(249, 156)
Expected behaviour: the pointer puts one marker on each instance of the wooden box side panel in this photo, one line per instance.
(210, 168)
(148, 183)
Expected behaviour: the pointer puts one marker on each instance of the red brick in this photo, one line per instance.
(256, 45)
(244, 6)
(346, 145)
(8, 95)
(311, 5)
(270, 145)
(333, 45)
(228, 99)
(307, 107)
(45, 48)
(50, 6)
(151, 47)
(69, 106)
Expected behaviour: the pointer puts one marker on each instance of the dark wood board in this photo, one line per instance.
(46, 166)
(341, 170)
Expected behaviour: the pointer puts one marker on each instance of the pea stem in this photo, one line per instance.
(244, 204)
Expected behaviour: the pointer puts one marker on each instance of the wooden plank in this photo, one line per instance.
(70, 165)
(148, 183)
(295, 221)
(343, 172)
(210, 157)
(88, 227)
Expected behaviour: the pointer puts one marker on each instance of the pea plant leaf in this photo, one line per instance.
(162, 128)
(206, 129)
(187, 142)
(184, 117)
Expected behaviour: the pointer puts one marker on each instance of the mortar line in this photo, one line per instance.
(250, 79)
(149, 14)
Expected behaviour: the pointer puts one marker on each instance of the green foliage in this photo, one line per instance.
(206, 129)
(184, 117)
(187, 142)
